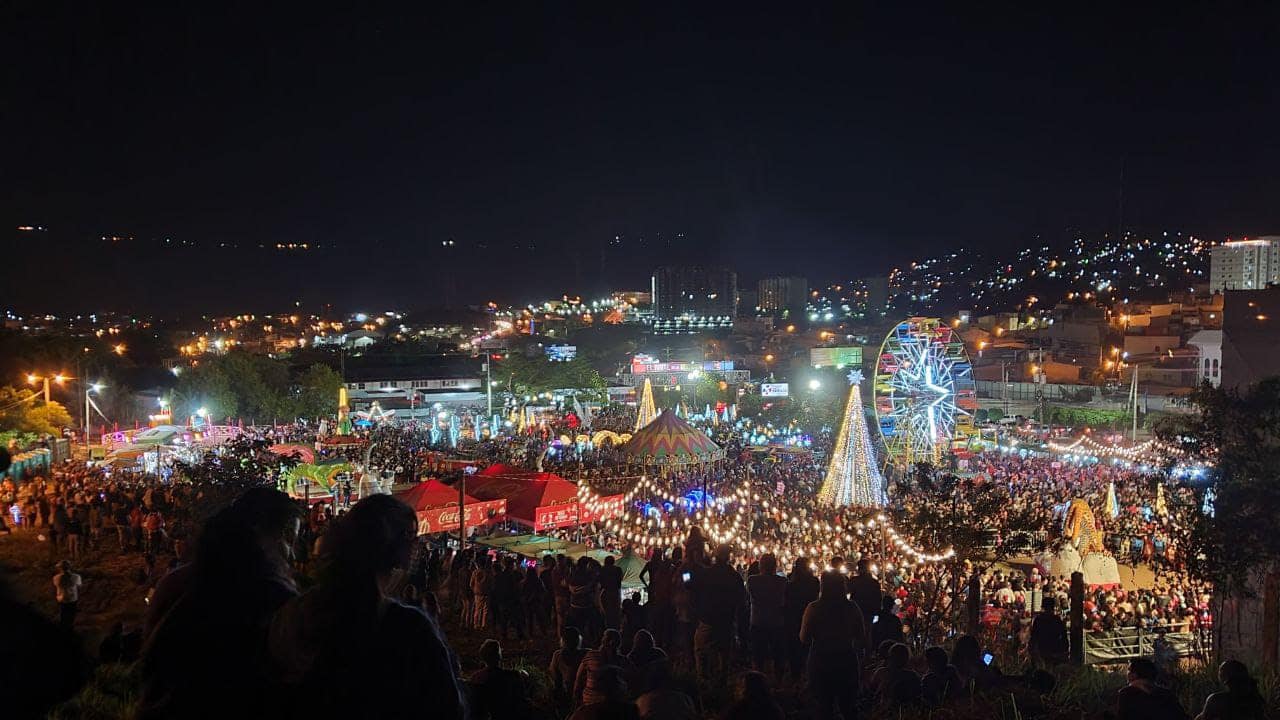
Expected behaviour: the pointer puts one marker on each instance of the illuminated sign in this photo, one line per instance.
(561, 353)
(838, 357)
(641, 365)
(775, 389)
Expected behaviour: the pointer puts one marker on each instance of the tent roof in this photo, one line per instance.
(668, 440)
(524, 490)
(535, 546)
(433, 494)
(306, 453)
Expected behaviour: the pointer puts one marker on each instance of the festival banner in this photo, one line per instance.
(550, 517)
(445, 519)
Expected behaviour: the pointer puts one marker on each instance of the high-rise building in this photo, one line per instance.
(776, 294)
(692, 293)
(1245, 264)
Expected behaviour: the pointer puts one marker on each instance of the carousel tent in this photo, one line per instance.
(668, 440)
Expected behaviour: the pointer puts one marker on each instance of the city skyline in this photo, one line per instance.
(448, 159)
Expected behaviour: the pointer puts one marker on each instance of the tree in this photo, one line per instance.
(976, 520)
(46, 419)
(1239, 432)
(853, 478)
(530, 376)
(317, 392)
(21, 410)
(206, 385)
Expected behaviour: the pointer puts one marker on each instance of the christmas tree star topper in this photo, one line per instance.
(855, 377)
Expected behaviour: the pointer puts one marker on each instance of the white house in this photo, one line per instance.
(1209, 344)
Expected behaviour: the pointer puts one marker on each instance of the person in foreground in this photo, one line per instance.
(755, 700)
(1240, 701)
(205, 655)
(346, 649)
(1143, 699)
(611, 702)
(834, 631)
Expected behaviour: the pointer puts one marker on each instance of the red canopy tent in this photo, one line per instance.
(540, 500)
(437, 507)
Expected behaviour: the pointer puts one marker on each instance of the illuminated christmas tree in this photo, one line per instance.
(853, 477)
(647, 410)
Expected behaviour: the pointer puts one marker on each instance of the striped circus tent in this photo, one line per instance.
(667, 441)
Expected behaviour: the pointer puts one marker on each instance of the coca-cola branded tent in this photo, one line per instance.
(539, 500)
(437, 507)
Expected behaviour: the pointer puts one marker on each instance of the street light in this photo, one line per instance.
(33, 379)
(97, 388)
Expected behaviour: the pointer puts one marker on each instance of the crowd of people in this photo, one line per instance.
(321, 612)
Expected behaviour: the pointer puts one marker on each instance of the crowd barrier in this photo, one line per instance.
(1124, 644)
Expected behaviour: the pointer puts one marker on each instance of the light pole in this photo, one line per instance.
(488, 382)
(59, 378)
(96, 387)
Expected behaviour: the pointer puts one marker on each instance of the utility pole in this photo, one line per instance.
(1133, 404)
(488, 383)
(462, 511)
(86, 416)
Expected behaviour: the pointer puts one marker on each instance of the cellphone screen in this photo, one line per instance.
(875, 619)
(686, 576)
(987, 658)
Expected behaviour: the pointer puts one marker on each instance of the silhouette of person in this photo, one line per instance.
(205, 655)
(345, 647)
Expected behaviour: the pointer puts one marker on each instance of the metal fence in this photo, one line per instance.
(1124, 644)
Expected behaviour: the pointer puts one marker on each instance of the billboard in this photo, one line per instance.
(644, 364)
(561, 353)
(775, 389)
(837, 357)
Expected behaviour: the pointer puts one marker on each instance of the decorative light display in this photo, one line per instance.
(649, 515)
(647, 412)
(853, 477)
(1154, 452)
(924, 390)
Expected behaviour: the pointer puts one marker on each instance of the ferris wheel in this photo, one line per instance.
(924, 390)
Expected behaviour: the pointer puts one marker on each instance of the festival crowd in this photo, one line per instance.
(278, 609)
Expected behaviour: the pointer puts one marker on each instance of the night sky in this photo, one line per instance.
(827, 142)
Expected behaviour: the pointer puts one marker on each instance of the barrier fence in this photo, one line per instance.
(1124, 644)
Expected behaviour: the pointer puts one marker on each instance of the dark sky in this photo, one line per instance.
(830, 142)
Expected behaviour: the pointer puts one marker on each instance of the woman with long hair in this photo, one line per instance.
(348, 649)
(205, 652)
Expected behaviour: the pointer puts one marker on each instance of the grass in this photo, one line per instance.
(112, 593)
(109, 695)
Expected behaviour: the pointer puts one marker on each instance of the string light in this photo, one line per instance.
(724, 520)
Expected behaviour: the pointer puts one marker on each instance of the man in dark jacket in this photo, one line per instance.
(1142, 699)
(718, 593)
